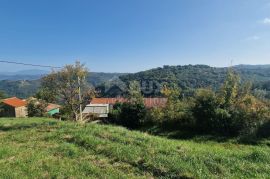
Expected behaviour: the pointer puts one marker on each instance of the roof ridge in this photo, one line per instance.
(12, 98)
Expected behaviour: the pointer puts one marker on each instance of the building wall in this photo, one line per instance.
(7, 111)
(21, 111)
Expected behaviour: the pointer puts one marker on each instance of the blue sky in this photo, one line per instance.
(134, 35)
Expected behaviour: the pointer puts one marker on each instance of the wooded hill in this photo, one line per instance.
(189, 77)
(186, 77)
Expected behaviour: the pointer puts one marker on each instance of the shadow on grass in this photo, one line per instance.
(187, 134)
(14, 127)
(259, 137)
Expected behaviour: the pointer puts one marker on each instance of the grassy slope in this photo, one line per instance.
(43, 148)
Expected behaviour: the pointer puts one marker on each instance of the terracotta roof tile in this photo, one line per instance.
(14, 102)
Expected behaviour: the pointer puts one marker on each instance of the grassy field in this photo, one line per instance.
(44, 148)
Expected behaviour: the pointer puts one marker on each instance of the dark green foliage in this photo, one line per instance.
(231, 111)
(2, 95)
(204, 109)
(185, 77)
(36, 108)
(130, 115)
(20, 89)
(194, 76)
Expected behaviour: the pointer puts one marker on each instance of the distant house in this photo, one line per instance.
(52, 109)
(14, 107)
(102, 106)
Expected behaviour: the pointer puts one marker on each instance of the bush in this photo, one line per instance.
(130, 115)
(204, 109)
(242, 117)
(36, 108)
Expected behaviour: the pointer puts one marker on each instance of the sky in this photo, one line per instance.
(134, 35)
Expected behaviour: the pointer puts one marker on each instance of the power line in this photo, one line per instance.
(28, 64)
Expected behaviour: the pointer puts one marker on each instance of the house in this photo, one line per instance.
(53, 109)
(14, 107)
(102, 106)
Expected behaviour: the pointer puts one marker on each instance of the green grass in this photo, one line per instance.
(44, 148)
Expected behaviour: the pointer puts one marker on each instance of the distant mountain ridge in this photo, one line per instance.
(246, 66)
(26, 72)
(24, 85)
(34, 74)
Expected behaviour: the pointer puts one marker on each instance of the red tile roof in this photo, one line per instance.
(148, 102)
(52, 106)
(14, 102)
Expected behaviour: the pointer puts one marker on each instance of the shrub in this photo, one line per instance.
(205, 106)
(130, 115)
(36, 108)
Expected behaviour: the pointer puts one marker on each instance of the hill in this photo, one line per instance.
(26, 85)
(187, 77)
(32, 74)
(21, 89)
(196, 76)
(45, 148)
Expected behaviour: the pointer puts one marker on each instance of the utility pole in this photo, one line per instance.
(80, 98)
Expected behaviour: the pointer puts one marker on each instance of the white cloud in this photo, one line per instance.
(266, 21)
(253, 38)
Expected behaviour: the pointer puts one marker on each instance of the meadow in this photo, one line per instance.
(46, 148)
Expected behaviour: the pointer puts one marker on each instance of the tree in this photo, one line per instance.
(2, 95)
(36, 108)
(132, 113)
(69, 86)
(229, 90)
(49, 88)
(134, 93)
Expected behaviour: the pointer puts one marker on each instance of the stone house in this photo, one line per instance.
(14, 107)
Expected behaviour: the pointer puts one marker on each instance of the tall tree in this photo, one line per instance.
(134, 93)
(69, 86)
(229, 91)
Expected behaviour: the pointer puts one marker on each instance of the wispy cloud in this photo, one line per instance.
(253, 38)
(265, 21)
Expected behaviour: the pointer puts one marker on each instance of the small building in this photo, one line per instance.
(14, 107)
(100, 110)
(102, 106)
(53, 109)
